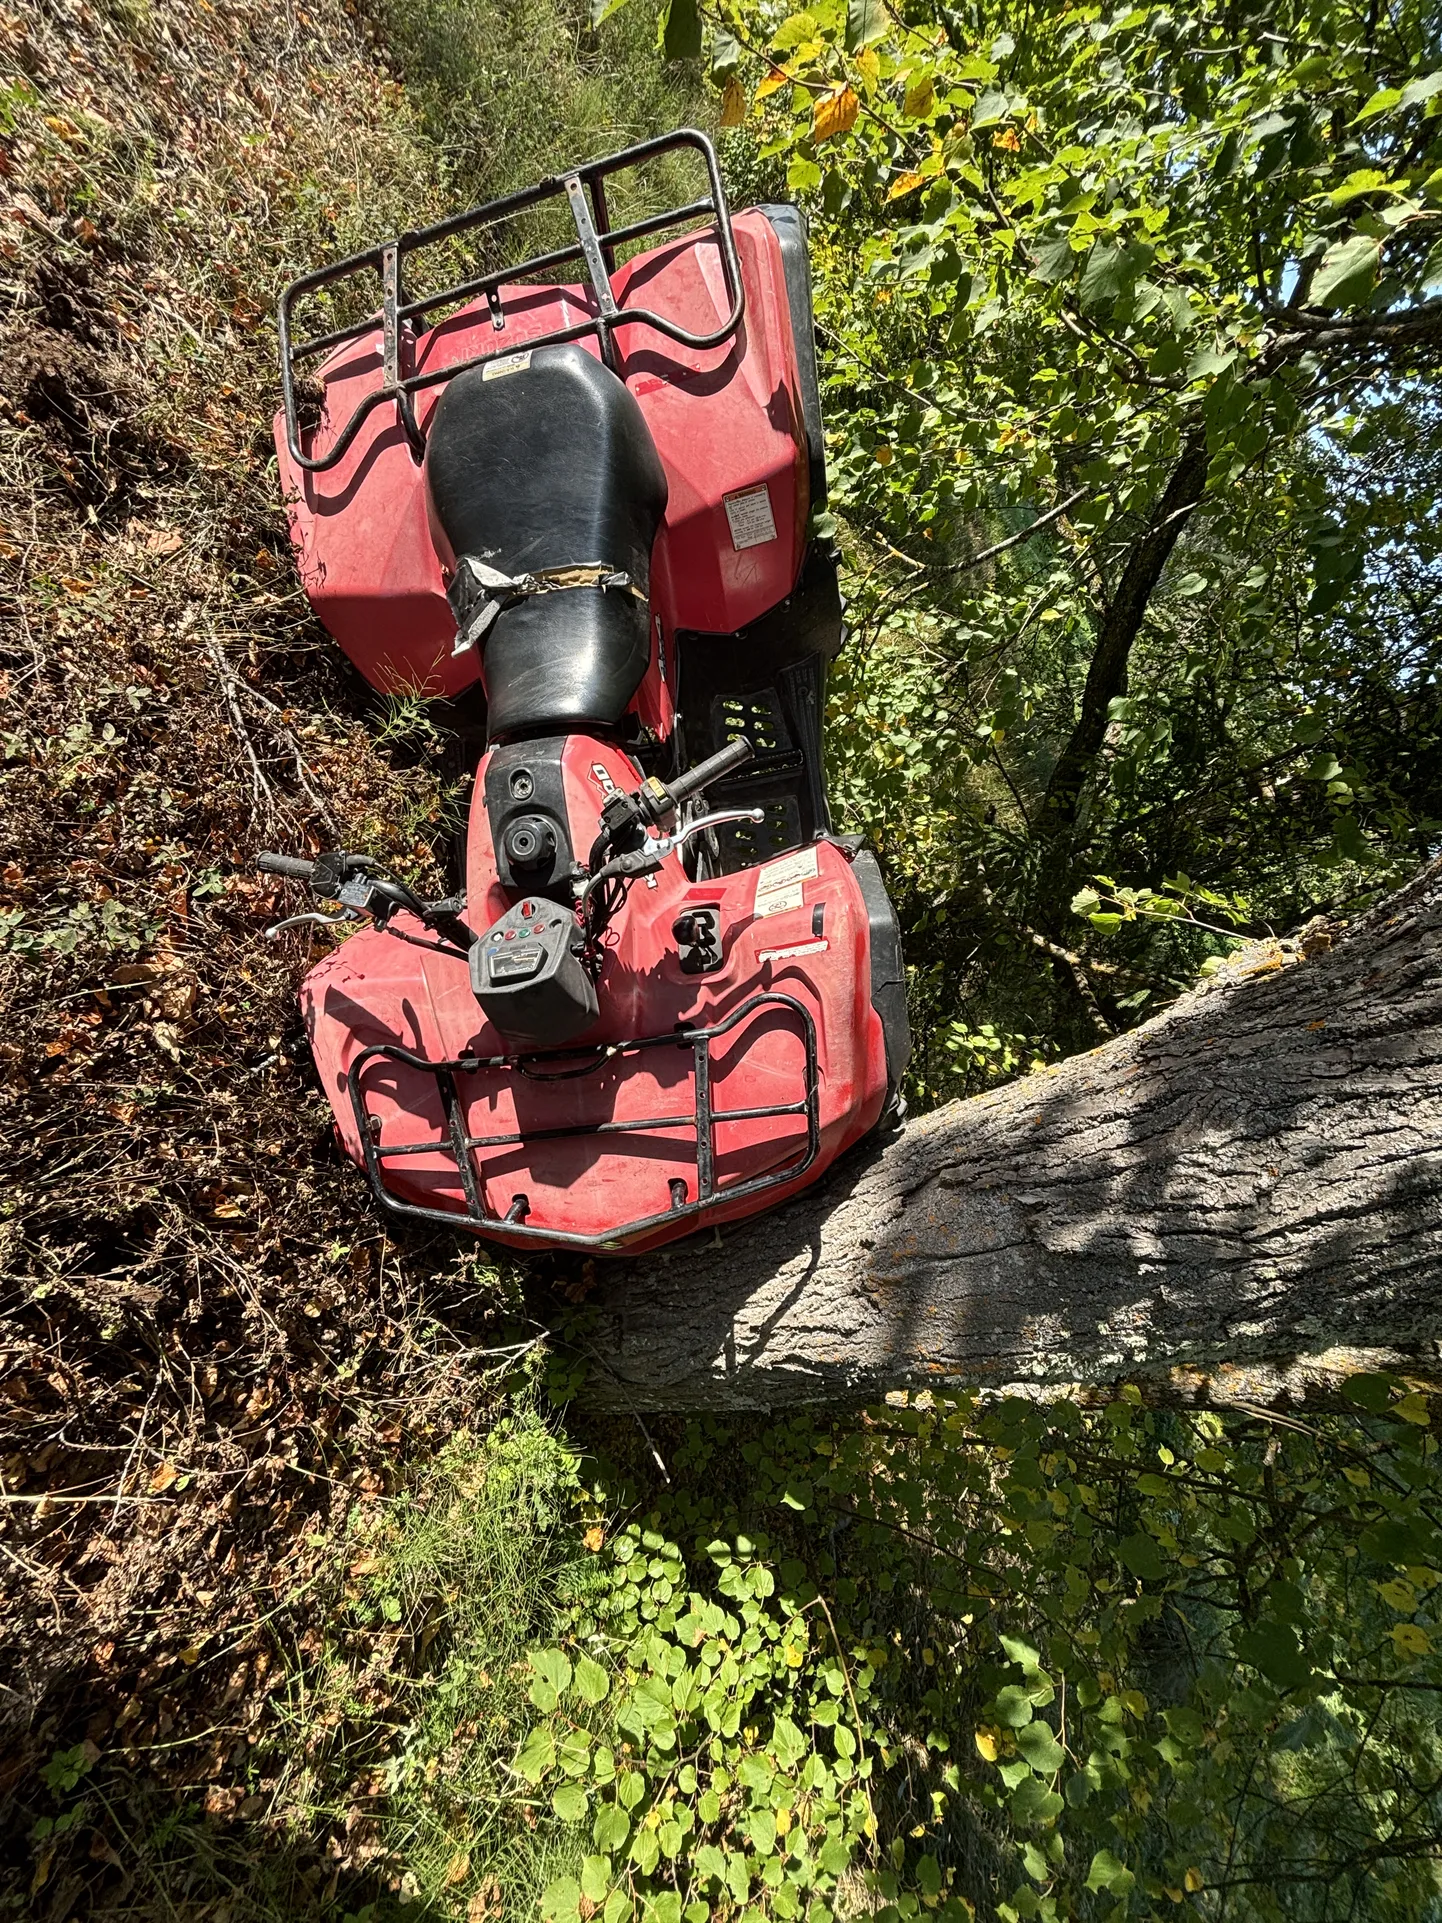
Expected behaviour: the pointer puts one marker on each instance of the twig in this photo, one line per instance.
(910, 588)
(264, 794)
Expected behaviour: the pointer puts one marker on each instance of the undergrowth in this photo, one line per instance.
(211, 1355)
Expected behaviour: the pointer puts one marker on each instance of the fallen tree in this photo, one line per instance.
(1241, 1199)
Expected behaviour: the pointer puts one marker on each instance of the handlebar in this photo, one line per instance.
(287, 865)
(733, 756)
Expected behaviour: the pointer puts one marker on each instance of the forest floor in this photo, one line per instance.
(212, 1357)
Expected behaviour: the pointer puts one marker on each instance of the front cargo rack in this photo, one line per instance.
(703, 1119)
(402, 320)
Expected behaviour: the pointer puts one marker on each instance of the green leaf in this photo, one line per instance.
(1208, 362)
(1106, 924)
(1013, 1706)
(570, 1802)
(1348, 272)
(681, 30)
(708, 1861)
(631, 1787)
(1349, 841)
(1423, 89)
(866, 22)
(1381, 102)
(553, 1665)
(1185, 1725)
(595, 1878)
(561, 1900)
(537, 1756)
(1401, 1540)
(1053, 259)
(788, 1745)
(1019, 1651)
(1140, 1554)
(611, 1827)
(591, 1680)
(1040, 1748)
(1032, 1802)
(725, 54)
(1105, 274)
(1271, 1647)
(1108, 1873)
(1085, 901)
(989, 110)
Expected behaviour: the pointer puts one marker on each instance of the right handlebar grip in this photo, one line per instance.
(288, 865)
(733, 756)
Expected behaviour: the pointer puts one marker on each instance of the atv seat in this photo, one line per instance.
(543, 462)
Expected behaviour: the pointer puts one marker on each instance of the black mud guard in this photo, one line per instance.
(790, 230)
(888, 972)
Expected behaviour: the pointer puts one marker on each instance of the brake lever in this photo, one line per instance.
(313, 918)
(646, 859)
(718, 820)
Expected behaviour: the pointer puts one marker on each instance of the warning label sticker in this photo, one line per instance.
(752, 522)
(507, 364)
(778, 886)
(792, 953)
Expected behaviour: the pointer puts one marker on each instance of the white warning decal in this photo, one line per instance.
(778, 886)
(507, 364)
(792, 954)
(752, 522)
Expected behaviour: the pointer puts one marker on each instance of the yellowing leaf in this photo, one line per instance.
(457, 1870)
(988, 1748)
(881, 454)
(1410, 1639)
(1192, 1881)
(920, 98)
(835, 113)
(868, 65)
(905, 184)
(1398, 1594)
(594, 1537)
(733, 103)
(1007, 138)
(1412, 1408)
(773, 82)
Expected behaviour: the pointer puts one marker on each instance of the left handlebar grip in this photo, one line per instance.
(288, 865)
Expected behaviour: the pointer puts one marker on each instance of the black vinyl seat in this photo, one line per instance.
(550, 464)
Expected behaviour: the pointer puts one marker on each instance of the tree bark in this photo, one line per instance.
(1241, 1199)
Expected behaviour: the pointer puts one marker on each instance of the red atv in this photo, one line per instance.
(669, 996)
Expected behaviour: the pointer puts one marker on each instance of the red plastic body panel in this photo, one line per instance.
(726, 421)
(375, 990)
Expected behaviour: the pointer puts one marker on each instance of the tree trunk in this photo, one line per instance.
(1241, 1199)
(1121, 623)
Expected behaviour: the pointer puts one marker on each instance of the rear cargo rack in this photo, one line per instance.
(596, 242)
(567, 1064)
